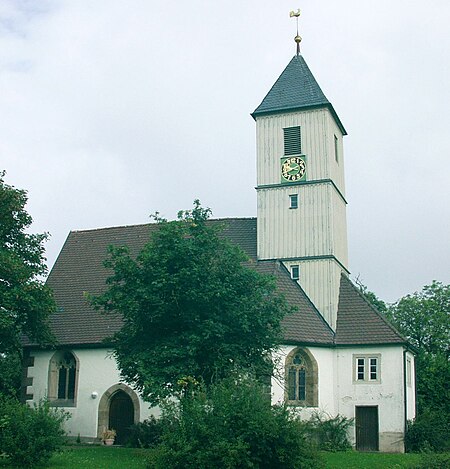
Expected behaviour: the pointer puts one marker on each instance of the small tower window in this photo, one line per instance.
(292, 141)
(293, 201)
(336, 149)
(295, 272)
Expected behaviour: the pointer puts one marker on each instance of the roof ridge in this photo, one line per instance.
(151, 224)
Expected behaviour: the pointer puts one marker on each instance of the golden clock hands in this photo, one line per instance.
(291, 167)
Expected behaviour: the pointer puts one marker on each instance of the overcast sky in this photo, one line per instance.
(112, 110)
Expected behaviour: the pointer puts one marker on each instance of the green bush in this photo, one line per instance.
(430, 431)
(434, 461)
(329, 434)
(231, 425)
(146, 434)
(29, 436)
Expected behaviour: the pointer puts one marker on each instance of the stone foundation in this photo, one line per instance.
(392, 442)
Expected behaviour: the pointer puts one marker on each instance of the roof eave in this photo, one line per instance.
(287, 110)
(307, 343)
(373, 344)
(69, 345)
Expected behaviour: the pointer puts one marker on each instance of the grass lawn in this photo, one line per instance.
(102, 457)
(355, 460)
(96, 457)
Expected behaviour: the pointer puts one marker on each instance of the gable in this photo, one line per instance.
(358, 322)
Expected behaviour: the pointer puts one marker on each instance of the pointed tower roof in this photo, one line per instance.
(296, 89)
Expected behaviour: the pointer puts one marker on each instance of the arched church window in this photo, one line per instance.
(301, 378)
(63, 378)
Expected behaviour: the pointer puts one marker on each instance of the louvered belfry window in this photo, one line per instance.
(292, 141)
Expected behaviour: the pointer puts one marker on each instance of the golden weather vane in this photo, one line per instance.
(297, 38)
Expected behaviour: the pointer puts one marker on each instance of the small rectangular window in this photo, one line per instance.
(408, 372)
(336, 149)
(292, 141)
(366, 368)
(373, 369)
(293, 201)
(360, 369)
(295, 272)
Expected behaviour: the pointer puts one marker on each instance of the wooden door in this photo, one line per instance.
(366, 422)
(121, 415)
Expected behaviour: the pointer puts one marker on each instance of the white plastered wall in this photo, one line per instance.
(97, 373)
(387, 394)
(325, 362)
(339, 394)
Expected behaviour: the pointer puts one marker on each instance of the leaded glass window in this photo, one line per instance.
(297, 379)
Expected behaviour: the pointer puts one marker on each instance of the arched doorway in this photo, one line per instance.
(118, 409)
(121, 415)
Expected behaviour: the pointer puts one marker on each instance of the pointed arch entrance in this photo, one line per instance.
(118, 408)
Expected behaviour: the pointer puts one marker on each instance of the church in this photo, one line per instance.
(339, 355)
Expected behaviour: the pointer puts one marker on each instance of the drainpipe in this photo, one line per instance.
(415, 384)
(405, 393)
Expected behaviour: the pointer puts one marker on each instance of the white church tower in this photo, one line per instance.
(300, 185)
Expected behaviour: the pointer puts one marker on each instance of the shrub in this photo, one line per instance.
(329, 434)
(434, 461)
(428, 432)
(146, 434)
(231, 425)
(29, 436)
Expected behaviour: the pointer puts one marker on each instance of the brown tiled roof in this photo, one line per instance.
(305, 325)
(79, 270)
(359, 323)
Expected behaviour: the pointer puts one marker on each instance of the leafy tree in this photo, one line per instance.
(190, 307)
(25, 302)
(371, 297)
(424, 318)
(10, 373)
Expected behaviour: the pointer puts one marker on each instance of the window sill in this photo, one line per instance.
(375, 381)
(62, 403)
(300, 404)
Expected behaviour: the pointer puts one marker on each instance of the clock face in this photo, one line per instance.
(293, 169)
